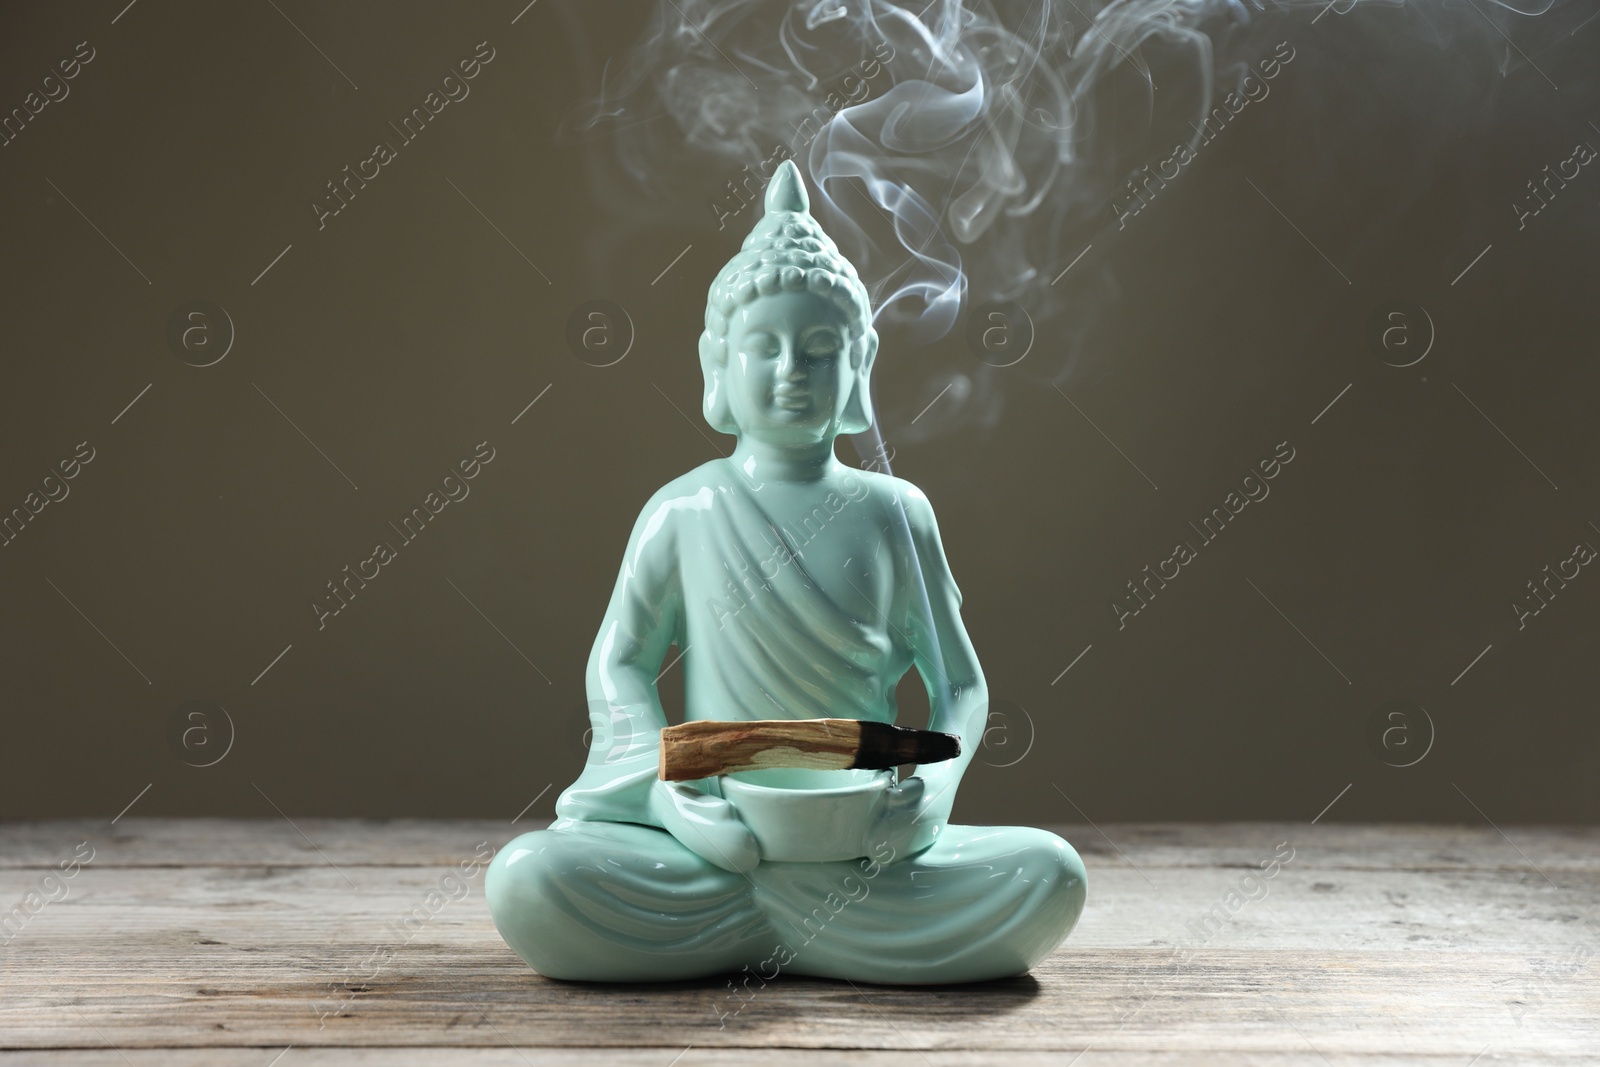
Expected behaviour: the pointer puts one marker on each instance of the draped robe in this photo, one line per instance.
(772, 624)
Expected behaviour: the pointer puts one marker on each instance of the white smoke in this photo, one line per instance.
(959, 151)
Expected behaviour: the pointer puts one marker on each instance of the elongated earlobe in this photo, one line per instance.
(857, 417)
(714, 403)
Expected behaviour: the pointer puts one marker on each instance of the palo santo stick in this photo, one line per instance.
(706, 747)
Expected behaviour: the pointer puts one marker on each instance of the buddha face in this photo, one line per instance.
(791, 366)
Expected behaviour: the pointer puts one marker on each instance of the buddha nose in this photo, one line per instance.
(792, 362)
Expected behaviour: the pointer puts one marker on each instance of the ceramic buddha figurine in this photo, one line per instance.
(796, 588)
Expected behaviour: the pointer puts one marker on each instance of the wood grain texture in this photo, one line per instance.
(546, 1056)
(1371, 945)
(708, 747)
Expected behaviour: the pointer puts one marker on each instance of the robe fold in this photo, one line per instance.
(763, 638)
(760, 622)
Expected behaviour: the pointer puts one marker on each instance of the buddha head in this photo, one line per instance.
(788, 346)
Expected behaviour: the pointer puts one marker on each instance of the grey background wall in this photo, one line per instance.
(371, 355)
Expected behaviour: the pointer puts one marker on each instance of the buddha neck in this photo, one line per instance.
(763, 463)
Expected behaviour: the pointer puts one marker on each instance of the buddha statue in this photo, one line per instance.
(796, 588)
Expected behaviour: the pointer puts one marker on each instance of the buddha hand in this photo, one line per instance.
(902, 822)
(705, 825)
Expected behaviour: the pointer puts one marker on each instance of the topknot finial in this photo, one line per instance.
(785, 190)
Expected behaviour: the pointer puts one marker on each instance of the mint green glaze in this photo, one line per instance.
(798, 588)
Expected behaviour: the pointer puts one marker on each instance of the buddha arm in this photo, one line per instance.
(943, 655)
(643, 620)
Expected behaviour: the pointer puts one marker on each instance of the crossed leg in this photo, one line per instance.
(600, 901)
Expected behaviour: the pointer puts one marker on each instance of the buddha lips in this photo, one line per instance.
(1253, 487)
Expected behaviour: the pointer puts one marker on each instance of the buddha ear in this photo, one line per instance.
(714, 404)
(858, 417)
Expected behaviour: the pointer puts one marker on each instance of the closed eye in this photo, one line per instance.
(822, 343)
(760, 343)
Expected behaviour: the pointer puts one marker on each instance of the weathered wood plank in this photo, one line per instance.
(1109, 1000)
(1371, 945)
(136, 841)
(1360, 962)
(663, 1056)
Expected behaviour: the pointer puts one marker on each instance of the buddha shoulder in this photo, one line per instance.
(689, 491)
(891, 493)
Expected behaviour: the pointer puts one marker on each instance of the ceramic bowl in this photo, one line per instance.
(808, 816)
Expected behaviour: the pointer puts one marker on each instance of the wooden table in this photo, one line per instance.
(187, 942)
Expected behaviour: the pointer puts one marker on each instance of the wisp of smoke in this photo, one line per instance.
(958, 150)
